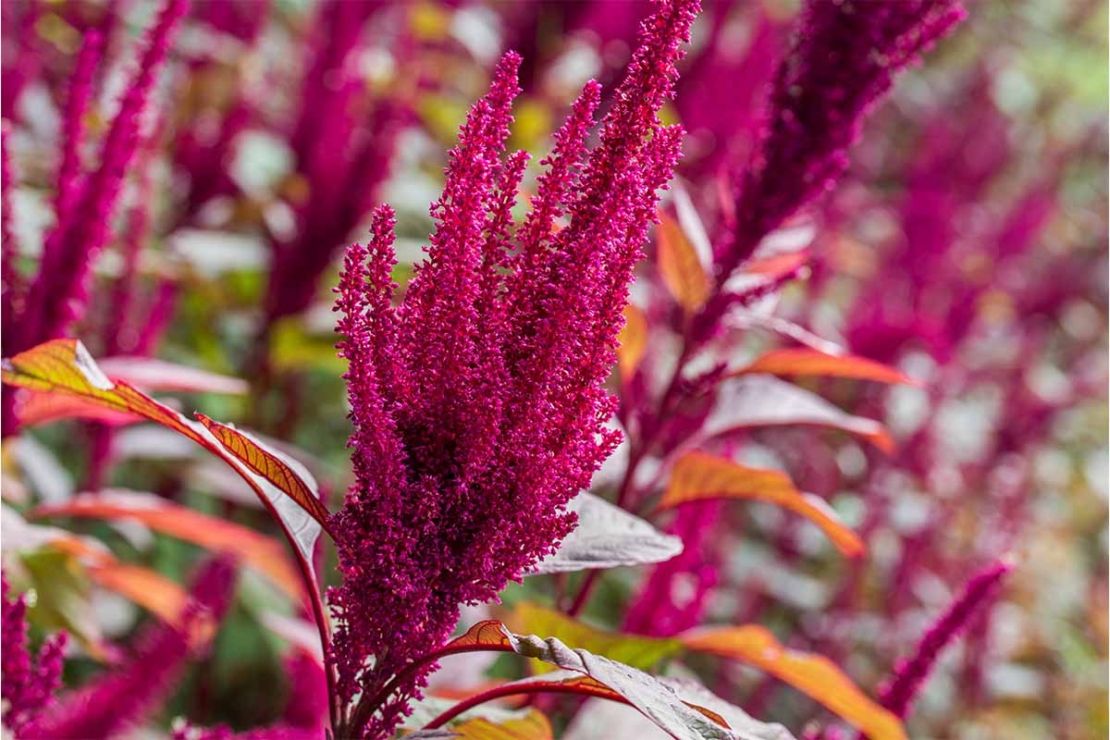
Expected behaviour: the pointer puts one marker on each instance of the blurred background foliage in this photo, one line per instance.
(1017, 98)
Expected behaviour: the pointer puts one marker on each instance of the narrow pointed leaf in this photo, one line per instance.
(166, 517)
(65, 366)
(763, 401)
(607, 537)
(813, 675)
(158, 375)
(680, 266)
(803, 362)
(287, 474)
(776, 266)
(698, 476)
(743, 319)
(632, 341)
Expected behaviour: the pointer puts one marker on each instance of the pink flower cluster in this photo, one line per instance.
(479, 403)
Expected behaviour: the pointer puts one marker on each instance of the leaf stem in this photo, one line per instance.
(368, 705)
(512, 690)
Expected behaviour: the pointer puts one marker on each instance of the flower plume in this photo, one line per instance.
(842, 61)
(28, 686)
(124, 697)
(899, 693)
(478, 402)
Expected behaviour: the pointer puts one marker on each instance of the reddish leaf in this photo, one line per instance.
(800, 361)
(814, 675)
(65, 366)
(170, 519)
(776, 266)
(698, 476)
(287, 474)
(33, 408)
(680, 266)
(151, 590)
(632, 341)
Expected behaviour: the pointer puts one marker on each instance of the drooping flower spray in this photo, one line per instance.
(479, 402)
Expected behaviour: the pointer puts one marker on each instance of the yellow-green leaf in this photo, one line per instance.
(639, 652)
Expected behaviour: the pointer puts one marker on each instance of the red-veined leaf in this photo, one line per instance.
(698, 476)
(813, 675)
(166, 517)
(763, 401)
(801, 361)
(284, 472)
(680, 266)
(65, 366)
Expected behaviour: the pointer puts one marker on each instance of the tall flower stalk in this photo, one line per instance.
(479, 403)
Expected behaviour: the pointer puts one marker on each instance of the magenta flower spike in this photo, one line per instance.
(73, 125)
(479, 402)
(28, 685)
(126, 696)
(900, 692)
(58, 295)
(842, 62)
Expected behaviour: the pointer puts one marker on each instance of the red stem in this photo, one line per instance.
(636, 455)
(367, 706)
(512, 690)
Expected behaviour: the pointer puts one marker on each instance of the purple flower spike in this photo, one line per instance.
(843, 60)
(479, 403)
(899, 693)
(27, 686)
(125, 697)
(58, 295)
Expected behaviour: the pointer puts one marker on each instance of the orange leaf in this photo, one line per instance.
(33, 408)
(632, 341)
(776, 266)
(65, 366)
(147, 588)
(813, 675)
(801, 361)
(532, 726)
(487, 633)
(680, 265)
(698, 476)
(270, 465)
(210, 532)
